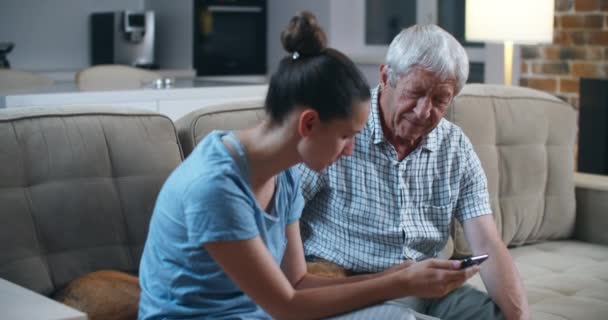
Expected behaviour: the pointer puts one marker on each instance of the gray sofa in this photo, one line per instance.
(554, 220)
(77, 187)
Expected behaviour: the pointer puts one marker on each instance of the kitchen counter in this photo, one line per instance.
(182, 97)
(69, 75)
(68, 86)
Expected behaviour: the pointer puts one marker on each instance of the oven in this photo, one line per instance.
(229, 37)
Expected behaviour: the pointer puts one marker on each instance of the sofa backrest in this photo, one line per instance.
(194, 126)
(523, 137)
(77, 189)
(525, 140)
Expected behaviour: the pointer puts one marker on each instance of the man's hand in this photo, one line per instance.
(434, 277)
(401, 266)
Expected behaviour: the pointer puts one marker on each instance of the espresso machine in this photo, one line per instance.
(123, 37)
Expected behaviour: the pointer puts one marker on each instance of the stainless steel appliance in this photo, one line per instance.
(229, 37)
(123, 37)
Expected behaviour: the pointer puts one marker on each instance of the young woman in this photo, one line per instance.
(224, 240)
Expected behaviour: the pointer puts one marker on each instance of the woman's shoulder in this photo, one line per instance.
(210, 165)
(211, 146)
(291, 176)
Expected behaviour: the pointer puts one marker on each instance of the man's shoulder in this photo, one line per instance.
(450, 127)
(451, 134)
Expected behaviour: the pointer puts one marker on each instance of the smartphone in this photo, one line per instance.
(475, 260)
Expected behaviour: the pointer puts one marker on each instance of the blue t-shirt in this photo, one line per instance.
(207, 199)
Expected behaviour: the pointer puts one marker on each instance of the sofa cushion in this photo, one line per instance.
(77, 188)
(194, 126)
(525, 141)
(563, 279)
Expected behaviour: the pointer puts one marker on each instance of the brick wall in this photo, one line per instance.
(579, 50)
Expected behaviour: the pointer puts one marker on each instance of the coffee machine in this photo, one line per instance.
(123, 37)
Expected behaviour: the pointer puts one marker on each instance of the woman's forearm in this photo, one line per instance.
(326, 296)
(314, 281)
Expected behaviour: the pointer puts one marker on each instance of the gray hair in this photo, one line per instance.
(428, 47)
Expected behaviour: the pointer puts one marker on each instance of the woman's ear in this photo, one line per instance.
(308, 119)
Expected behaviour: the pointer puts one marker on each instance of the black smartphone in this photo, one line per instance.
(470, 261)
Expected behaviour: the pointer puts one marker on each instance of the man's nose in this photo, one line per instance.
(423, 108)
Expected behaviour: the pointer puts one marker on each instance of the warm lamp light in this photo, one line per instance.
(509, 22)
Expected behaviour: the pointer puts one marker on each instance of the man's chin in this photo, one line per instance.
(317, 167)
(409, 134)
(406, 133)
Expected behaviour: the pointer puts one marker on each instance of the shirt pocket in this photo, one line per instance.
(360, 195)
(434, 193)
(434, 227)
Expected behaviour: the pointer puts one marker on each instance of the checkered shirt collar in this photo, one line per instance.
(429, 142)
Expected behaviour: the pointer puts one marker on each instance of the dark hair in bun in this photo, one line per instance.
(304, 35)
(313, 75)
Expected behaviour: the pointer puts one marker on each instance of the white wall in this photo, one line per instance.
(347, 32)
(173, 32)
(174, 45)
(52, 35)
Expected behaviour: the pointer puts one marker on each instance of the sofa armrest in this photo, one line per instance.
(591, 208)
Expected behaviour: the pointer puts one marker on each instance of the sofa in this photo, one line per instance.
(78, 185)
(554, 221)
(77, 189)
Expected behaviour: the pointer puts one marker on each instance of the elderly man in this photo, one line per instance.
(411, 172)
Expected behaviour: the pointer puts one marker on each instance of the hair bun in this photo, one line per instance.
(304, 35)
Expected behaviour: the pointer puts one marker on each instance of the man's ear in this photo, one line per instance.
(307, 120)
(384, 75)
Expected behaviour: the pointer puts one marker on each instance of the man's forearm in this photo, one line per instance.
(503, 283)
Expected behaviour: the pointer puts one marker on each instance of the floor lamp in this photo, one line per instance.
(509, 22)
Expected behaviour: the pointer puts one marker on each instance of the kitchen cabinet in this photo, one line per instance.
(176, 109)
(144, 105)
(174, 102)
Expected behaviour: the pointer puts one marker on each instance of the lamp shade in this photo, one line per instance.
(519, 21)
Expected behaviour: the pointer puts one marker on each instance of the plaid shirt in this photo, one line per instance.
(368, 212)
